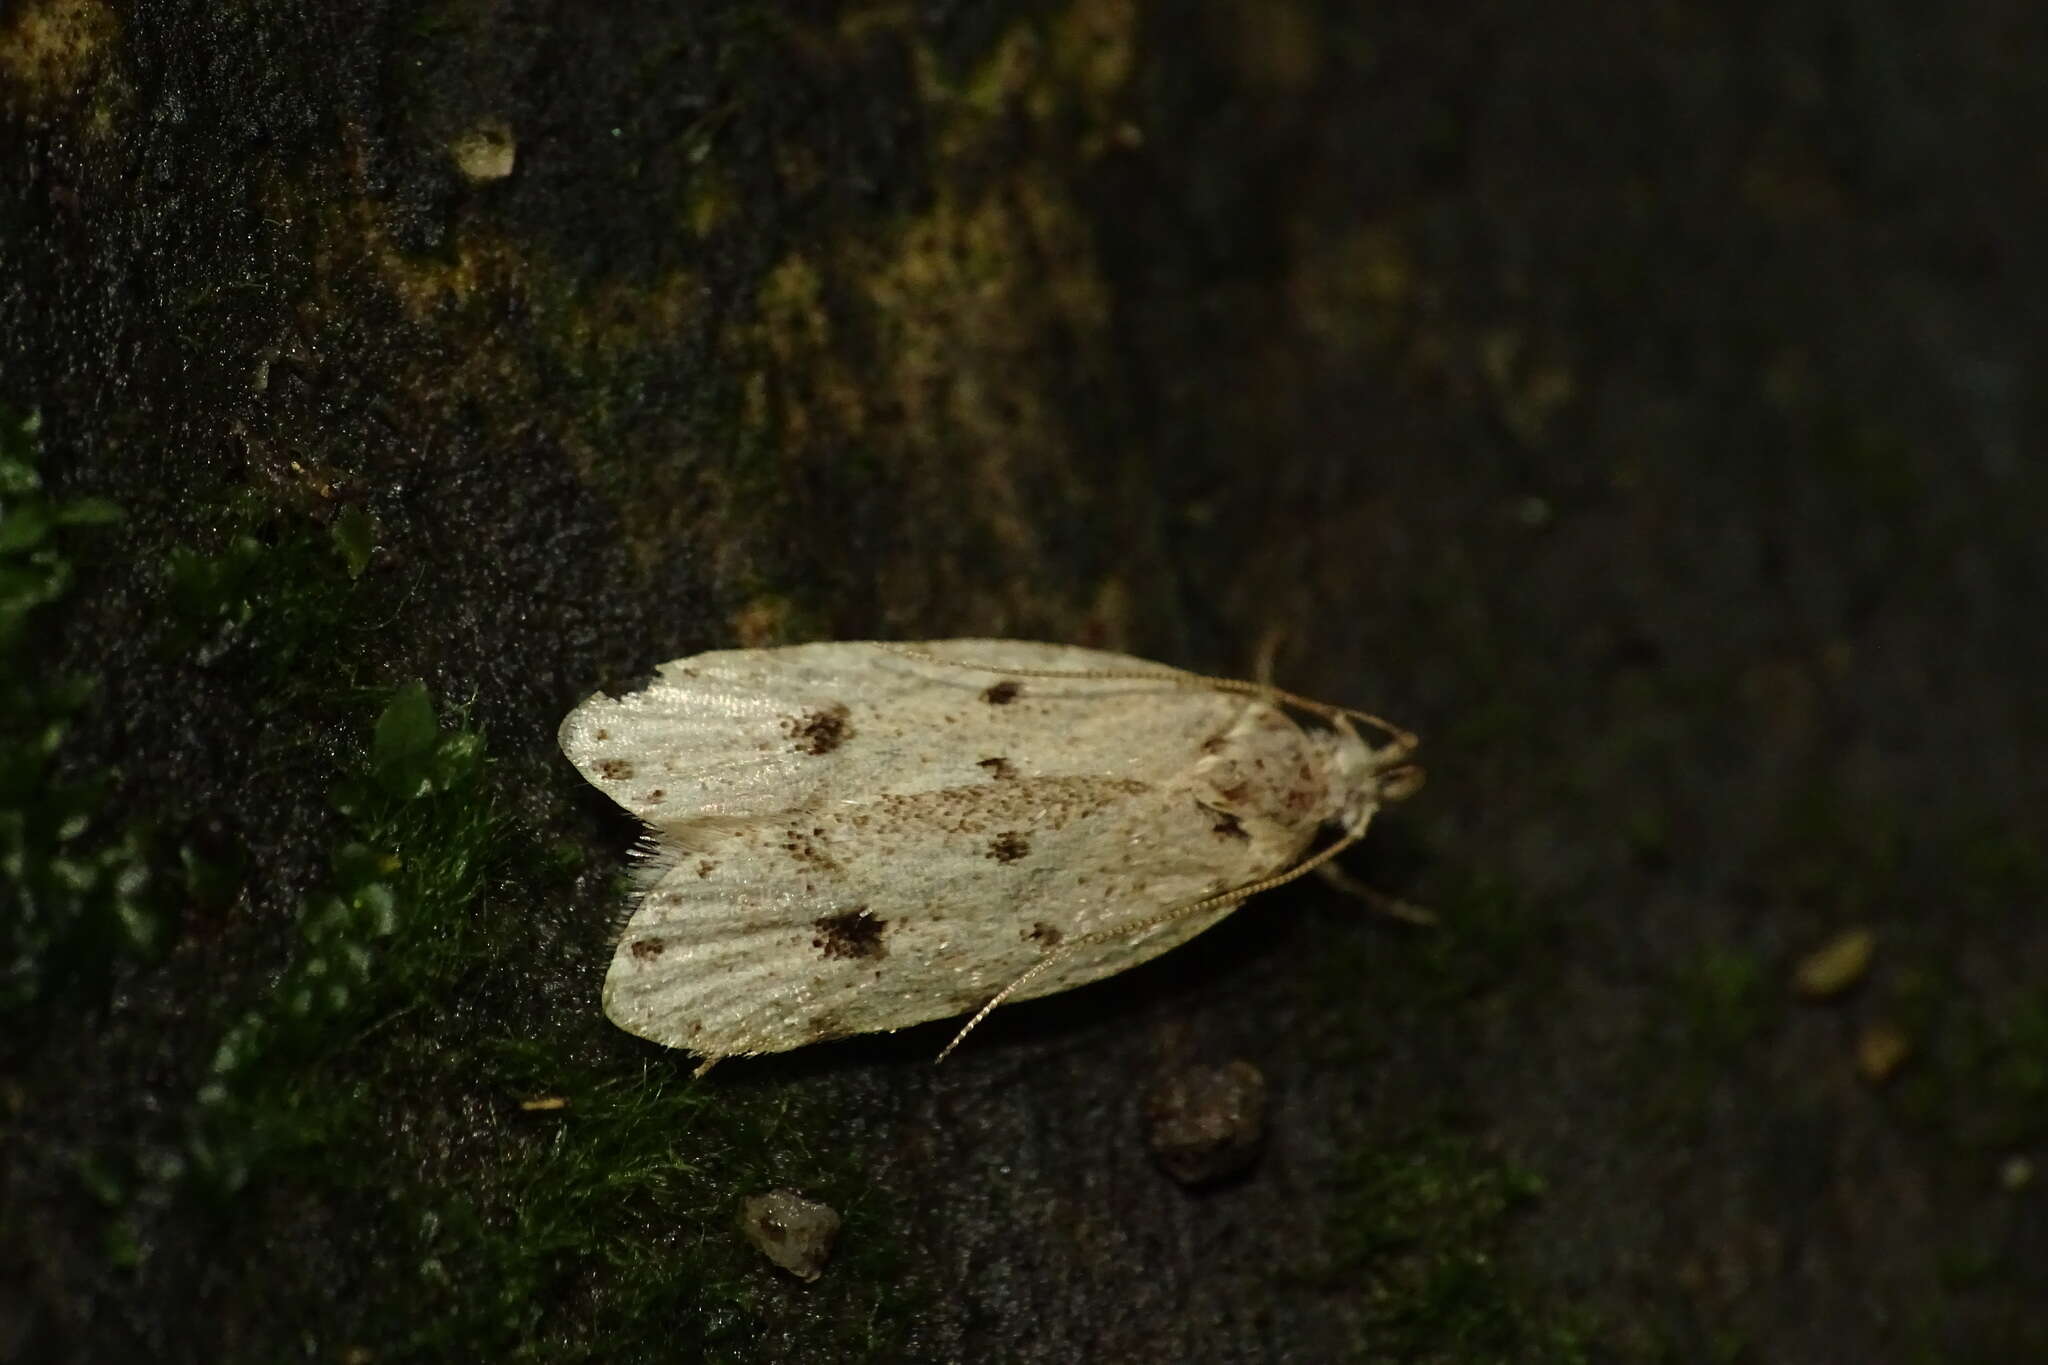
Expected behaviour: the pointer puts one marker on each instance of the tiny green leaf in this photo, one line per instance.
(17, 477)
(24, 526)
(357, 864)
(403, 748)
(456, 758)
(377, 905)
(88, 512)
(355, 535)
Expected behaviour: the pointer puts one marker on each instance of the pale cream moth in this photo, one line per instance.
(855, 837)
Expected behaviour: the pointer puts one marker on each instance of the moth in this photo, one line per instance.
(854, 837)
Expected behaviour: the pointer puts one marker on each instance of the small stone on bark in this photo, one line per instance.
(1207, 1122)
(794, 1232)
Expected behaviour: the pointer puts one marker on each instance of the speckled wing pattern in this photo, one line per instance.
(854, 837)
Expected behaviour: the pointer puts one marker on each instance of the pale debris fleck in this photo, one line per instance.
(1836, 965)
(1881, 1049)
(486, 152)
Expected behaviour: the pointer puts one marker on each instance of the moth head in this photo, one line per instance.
(1366, 777)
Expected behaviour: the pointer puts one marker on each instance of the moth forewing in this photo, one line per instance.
(856, 837)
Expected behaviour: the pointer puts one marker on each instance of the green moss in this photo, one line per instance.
(1726, 1000)
(632, 1185)
(83, 896)
(1717, 1010)
(1490, 944)
(525, 1201)
(1416, 1235)
(1834, 851)
(271, 593)
(1978, 1080)
(1490, 939)
(1868, 463)
(392, 916)
(354, 533)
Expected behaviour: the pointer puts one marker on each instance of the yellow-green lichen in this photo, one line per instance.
(49, 50)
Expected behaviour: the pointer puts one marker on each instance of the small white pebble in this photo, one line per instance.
(794, 1232)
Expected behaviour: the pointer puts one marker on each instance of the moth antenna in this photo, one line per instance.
(1230, 897)
(1403, 740)
(1000, 996)
(1139, 926)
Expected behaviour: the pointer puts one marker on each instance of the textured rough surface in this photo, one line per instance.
(1640, 402)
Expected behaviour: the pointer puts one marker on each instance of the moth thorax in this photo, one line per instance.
(1264, 770)
(1354, 777)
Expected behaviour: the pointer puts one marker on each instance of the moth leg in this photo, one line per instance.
(1268, 652)
(705, 1066)
(1392, 906)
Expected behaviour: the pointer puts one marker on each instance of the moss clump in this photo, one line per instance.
(82, 896)
(1415, 1233)
(398, 896)
(1726, 1002)
(608, 1231)
(274, 599)
(516, 1197)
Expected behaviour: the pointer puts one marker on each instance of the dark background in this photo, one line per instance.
(1638, 401)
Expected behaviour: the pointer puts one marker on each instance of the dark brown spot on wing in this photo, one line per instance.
(646, 949)
(807, 847)
(1228, 826)
(821, 731)
(1044, 935)
(1002, 693)
(998, 768)
(1008, 846)
(615, 769)
(850, 934)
